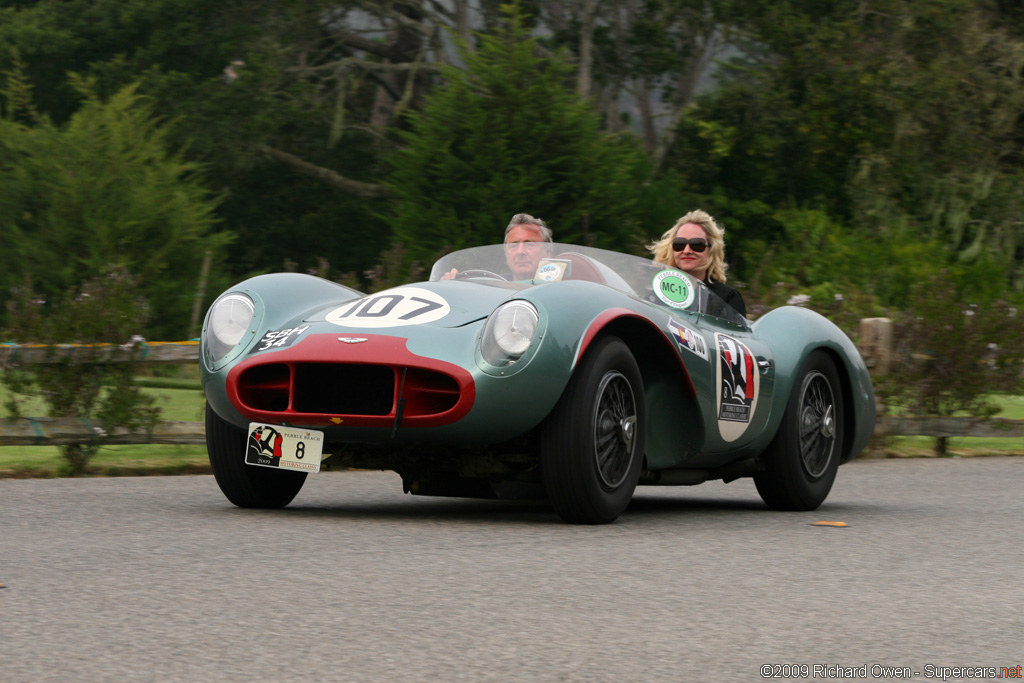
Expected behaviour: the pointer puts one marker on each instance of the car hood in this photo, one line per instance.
(437, 304)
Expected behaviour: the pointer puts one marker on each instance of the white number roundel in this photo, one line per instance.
(391, 308)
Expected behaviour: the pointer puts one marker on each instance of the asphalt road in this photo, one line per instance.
(161, 579)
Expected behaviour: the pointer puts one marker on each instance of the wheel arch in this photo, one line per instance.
(850, 416)
(816, 332)
(849, 403)
(675, 425)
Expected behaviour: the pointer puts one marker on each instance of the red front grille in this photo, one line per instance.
(429, 393)
(266, 387)
(362, 388)
(342, 389)
(345, 389)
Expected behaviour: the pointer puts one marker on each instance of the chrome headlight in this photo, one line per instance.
(227, 323)
(509, 332)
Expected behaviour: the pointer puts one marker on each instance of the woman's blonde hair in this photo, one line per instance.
(662, 249)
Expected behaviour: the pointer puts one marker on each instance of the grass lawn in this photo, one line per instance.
(181, 399)
(924, 446)
(184, 404)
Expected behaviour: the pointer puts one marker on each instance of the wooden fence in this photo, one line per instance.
(49, 431)
(876, 349)
(182, 353)
(876, 345)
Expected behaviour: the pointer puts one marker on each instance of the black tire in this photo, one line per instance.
(801, 462)
(246, 486)
(592, 444)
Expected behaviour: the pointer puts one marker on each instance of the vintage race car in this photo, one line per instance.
(601, 372)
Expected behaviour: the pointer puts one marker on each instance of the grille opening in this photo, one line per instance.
(428, 393)
(265, 387)
(344, 389)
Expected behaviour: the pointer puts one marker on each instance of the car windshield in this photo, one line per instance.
(537, 263)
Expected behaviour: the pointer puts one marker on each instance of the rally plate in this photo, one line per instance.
(286, 448)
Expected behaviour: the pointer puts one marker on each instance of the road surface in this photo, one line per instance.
(161, 579)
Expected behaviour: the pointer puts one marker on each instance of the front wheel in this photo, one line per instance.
(801, 462)
(247, 486)
(592, 444)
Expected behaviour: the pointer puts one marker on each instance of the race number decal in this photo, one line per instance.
(674, 289)
(391, 308)
(278, 339)
(738, 386)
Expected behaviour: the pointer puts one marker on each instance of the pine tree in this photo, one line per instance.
(507, 135)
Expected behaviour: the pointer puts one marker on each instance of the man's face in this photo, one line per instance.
(524, 248)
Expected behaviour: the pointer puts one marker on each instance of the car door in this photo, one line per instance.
(741, 384)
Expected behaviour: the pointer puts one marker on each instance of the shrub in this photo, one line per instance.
(106, 309)
(951, 354)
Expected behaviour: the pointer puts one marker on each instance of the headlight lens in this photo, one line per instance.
(508, 332)
(229, 320)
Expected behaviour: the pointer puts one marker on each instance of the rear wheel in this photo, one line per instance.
(801, 462)
(592, 444)
(246, 486)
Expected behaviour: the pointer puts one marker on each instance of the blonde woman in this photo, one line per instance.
(696, 245)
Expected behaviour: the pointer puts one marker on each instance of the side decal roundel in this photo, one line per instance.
(391, 308)
(674, 289)
(739, 384)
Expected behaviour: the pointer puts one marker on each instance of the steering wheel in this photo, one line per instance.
(479, 272)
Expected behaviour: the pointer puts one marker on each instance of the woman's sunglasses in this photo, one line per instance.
(697, 244)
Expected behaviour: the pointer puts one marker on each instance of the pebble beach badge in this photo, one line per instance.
(738, 386)
(674, 288)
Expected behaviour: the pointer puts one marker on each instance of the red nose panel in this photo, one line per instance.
(329, 380)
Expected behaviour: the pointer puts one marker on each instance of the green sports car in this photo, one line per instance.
(601, 372)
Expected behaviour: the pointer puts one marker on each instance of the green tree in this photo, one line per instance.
(505, 135)
(900, 119)
(99, 189)
(952, 98)
(239, 79)
(653, 54)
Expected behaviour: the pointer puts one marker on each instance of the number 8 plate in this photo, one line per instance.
(287, 448)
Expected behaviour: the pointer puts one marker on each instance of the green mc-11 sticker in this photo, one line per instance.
(674, 288)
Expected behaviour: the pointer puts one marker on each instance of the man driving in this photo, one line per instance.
(527, 241)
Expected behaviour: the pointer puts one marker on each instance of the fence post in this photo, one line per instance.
(876, 349)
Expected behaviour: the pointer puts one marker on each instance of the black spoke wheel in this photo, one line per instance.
(801, 462)
(592, 444)
(246, 486)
